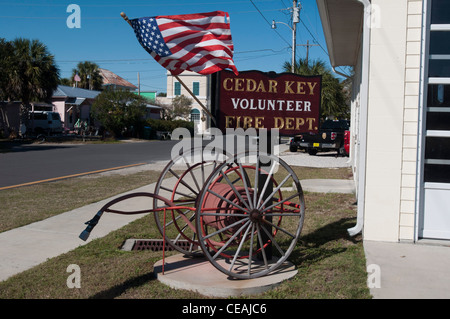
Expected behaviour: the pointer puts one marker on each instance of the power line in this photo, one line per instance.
(105, 61)
(269, 23)
(93, 18)
(103, 5)
(316, 41)
(314, 38)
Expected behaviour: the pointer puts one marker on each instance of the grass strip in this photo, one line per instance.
(330, 263)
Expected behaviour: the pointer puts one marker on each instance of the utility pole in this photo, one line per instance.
(295, 20)
(139, 84)
(307, 45)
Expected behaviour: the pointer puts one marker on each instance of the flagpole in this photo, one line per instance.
(124, 16)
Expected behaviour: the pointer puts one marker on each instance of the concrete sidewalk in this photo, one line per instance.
(344, 186)
(407, 270)
(25, 247)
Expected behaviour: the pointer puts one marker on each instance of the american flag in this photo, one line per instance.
(198, 42)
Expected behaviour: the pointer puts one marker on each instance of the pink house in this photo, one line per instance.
(73, 104)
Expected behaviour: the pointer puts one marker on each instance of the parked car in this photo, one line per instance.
(45, 122)
(333, 135)
(347, 142)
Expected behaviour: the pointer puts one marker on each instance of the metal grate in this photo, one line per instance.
(157, 245)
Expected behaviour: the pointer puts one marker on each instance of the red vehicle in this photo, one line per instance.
(347, 142)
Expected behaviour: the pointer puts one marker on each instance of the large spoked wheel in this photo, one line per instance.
(180, 182)
(249, 204)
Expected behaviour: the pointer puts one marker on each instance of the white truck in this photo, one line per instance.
(45, 122)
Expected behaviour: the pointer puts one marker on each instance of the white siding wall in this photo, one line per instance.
(410, 123)
(385, 140)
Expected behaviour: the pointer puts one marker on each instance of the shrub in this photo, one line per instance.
(169, 126)
(119, 111)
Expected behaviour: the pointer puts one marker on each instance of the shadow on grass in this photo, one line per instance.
(331, 232)
(312, 247)
(121, 288)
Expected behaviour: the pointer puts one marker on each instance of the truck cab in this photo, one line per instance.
(331, 136)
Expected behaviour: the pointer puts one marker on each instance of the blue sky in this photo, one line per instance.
(106, 39)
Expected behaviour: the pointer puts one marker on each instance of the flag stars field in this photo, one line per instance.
(198, 42)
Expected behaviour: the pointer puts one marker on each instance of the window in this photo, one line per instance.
(440, 12)
(436, 173)
(40, 116)
(196, 88)
(439, 68)
(438, 95)
(195, 115)
(437, 119)
(177, 88)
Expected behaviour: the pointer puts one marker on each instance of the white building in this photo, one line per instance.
(199, 86)
(400, 112)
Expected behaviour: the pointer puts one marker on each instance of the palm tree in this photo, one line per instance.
(333, 102)
(5, 64)
(65, 81)
(89, 74)
(32, 74)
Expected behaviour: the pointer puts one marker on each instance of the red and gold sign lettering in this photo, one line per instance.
(288, 102)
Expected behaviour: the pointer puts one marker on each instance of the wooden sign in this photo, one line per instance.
(286, 101)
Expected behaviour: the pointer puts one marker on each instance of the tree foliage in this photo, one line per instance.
(179, 109)
(65, 81)
(89, 74)
(5, 66)
(333, 103)
(119, 110)
(29, 71)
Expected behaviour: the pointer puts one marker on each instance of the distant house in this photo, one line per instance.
(198, 84)
(73, 104)
(112, 81)
(10, 115)
(149, 95)
(153, 112)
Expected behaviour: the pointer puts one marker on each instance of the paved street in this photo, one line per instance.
(36, 162)
(29, 163)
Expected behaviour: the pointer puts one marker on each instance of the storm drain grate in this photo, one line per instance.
(157, 245)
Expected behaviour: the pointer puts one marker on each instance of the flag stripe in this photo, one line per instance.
(190, 37)
(173, 34)
(205, 59)
(187, 24)
(186, 52)
(197, 42)
(193, 58)
(193, 16)
(194, 47)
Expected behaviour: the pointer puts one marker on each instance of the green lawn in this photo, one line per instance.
(330, 263)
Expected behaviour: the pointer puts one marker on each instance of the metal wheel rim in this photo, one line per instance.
(246, 225)
(183, 219)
